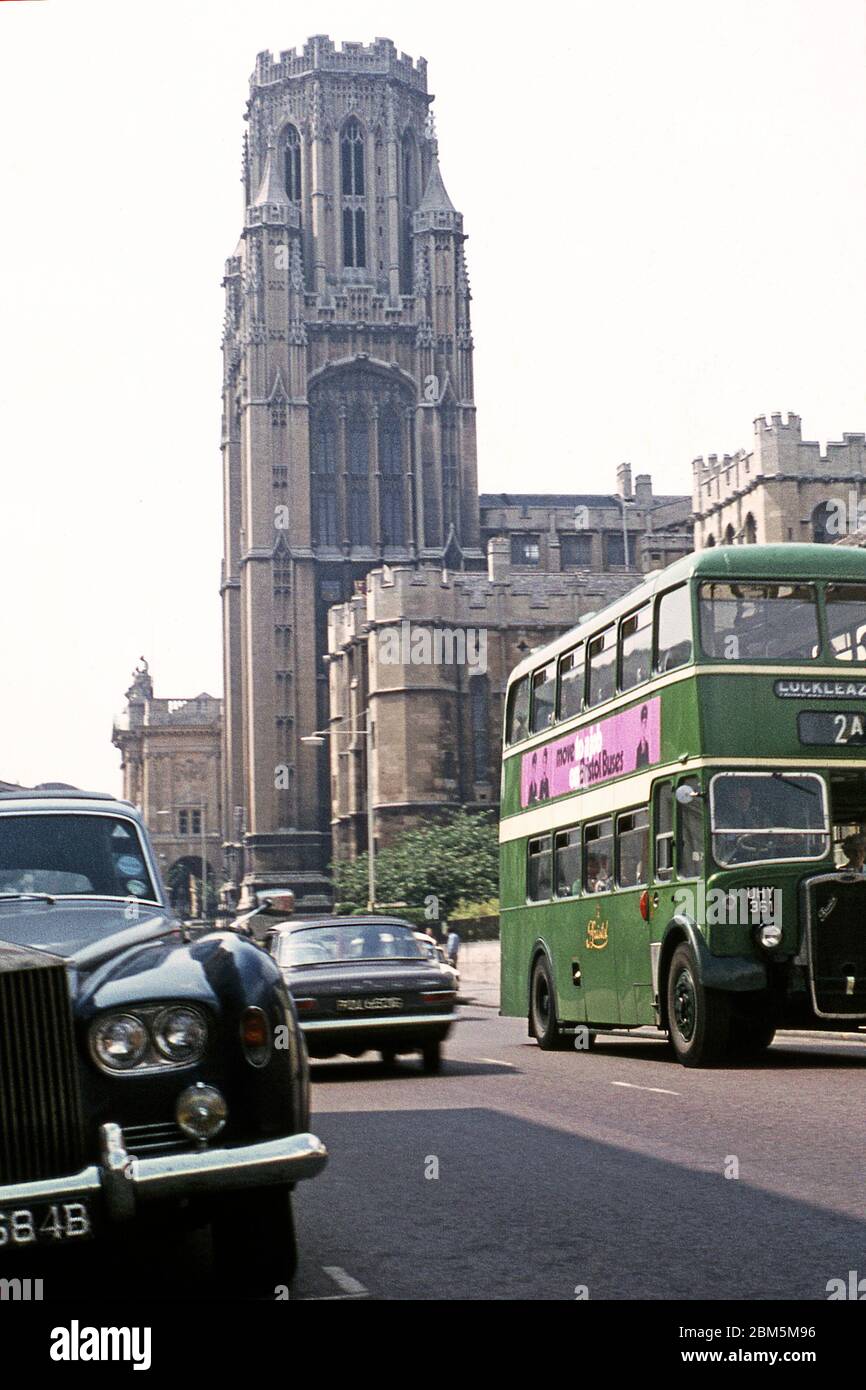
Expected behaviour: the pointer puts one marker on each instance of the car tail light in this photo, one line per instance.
(304, 1005)
(255, 1037)
(438, 996)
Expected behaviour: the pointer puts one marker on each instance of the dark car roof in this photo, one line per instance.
(301, 923)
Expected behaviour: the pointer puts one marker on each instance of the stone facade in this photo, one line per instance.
(425, 654)
(348, 414)
(579, 532)
(172, 770)
(785, 489)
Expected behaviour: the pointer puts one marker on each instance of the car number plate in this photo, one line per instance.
(390, 1001)
(45, 1223)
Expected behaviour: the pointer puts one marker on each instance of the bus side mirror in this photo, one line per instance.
(685, 794)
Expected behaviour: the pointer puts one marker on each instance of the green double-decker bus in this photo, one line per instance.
(683, 808)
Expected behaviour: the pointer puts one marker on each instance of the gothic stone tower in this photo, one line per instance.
(348, 417)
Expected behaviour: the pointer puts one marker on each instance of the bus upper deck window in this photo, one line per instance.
(674, 640)
(845, 607)
(543, 698)
(601, 659)
(517, 722)
(636, 639)
(759, 622)
(571, 683)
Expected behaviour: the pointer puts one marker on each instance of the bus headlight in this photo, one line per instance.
(770, 935)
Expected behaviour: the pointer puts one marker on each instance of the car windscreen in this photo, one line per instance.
(364, 941)
(759, 622)
(758, 817)
(77, 855)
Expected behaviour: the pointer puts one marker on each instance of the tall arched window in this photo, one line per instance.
(358, 459)
(353, 187)
(479, 704)
(711, 540)
(450, 510)
(392, 514)
(354, 237)
(751, 530)
(825, 523)
(352, 156)
(407, 168)
(292, 146)
(730, 535)
(324, 479)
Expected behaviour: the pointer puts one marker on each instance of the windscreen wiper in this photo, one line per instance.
(30, 897)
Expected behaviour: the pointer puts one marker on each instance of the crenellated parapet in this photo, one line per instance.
(320, 54)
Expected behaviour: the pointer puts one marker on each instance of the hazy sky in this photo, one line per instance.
(667, 219)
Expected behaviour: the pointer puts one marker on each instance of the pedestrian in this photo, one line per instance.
(452, 947)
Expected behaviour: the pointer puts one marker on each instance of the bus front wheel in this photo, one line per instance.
(699, 1020)
(542, 1009)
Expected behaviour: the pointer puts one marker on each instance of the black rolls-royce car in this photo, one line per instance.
(364, 984)
(137, 1068)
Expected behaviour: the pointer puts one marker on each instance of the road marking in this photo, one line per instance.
(345, 1281)
(659, 1090)
(496, 1062)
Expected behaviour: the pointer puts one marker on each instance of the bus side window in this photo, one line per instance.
(543, 698)
(664, 831)
(632, 844)
(690, 834)
(598, 857)
(517, 722)
(538, 870)
(674, 629)
(601, 660)
(636, 640)
(571, 683)
(566, 862)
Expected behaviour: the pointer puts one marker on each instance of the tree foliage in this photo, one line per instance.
(456, 859)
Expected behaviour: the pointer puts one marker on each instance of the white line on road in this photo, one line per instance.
(496, 1062)
(659, 1090)
(344, 1281)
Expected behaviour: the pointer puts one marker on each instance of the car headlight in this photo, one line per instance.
(180, 1034)
(120, 1041)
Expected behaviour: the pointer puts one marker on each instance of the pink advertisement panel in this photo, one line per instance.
(591, 755)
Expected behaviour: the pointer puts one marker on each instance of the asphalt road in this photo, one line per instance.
(605, 1170)
(519, 1174)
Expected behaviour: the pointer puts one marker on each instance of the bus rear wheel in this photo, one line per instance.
(699, 1020)
(542, 1009)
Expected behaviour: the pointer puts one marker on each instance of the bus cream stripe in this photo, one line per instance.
(641, 693)
(633, 791)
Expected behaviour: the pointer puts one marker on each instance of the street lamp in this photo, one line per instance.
(317, 740)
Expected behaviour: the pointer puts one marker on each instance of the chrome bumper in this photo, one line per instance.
(359, 1020)
(121, 1180)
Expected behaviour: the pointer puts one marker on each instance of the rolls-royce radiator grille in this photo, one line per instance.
(41, 1131)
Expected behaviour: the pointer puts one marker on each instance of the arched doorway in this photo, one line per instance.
(184, 884)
